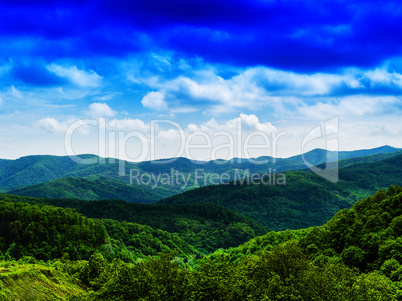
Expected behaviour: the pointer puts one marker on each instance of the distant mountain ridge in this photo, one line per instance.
(58, 177)
(319, 156)
(43, 168)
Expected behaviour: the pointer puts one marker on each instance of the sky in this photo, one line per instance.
(153, 79)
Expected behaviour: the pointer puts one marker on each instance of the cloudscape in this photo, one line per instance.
(176, 67)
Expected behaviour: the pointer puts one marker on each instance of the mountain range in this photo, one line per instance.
(61, 177)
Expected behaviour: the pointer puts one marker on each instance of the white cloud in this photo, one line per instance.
(203, 89)
(98, 109)
(280, 82)
(253, 122)
(217, 133)
(381, 77)
(80, 77)
(253, 88)
(170, 135)
(208, 90)
(54, 126)
(349, 107)
(248, 123)
(154, 101)
(129, 124)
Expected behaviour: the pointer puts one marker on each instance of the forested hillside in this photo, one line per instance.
(306, 200)
(46, 232)
(353, 257)
(207, 227)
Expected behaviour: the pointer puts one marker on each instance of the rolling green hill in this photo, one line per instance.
(306, 200)
(89, 188)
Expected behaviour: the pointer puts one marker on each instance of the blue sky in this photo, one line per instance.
(279, 66)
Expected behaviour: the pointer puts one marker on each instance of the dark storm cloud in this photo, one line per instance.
(295, 35)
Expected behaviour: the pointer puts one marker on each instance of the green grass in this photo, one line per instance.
(35, 282)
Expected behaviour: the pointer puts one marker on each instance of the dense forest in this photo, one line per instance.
(205, 226)
(356, 255)
(45, 232)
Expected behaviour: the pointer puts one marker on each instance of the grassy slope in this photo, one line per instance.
(35, 282)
